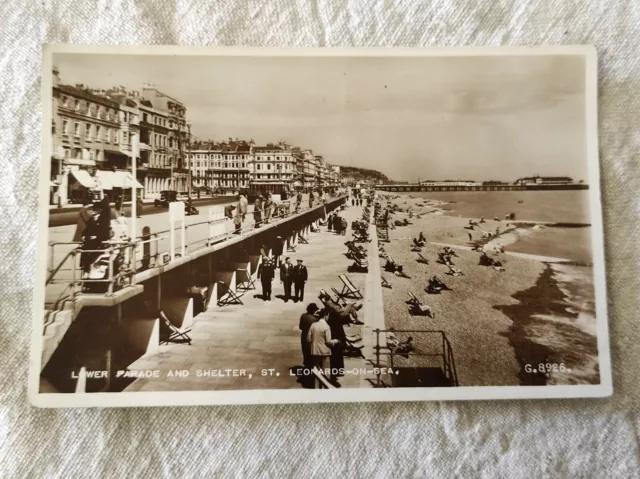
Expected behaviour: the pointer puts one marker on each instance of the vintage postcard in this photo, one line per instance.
(244, 226)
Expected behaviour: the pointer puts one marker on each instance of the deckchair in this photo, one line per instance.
(176, 334)
(227, 295)
(422, 259)
(349, 290)
(417, 307)
(385, 283)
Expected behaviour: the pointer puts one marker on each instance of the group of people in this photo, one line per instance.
(289, 275)
(336, 223)
(323, 339)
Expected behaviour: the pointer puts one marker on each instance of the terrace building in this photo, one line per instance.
(272, 168)
(221, 168)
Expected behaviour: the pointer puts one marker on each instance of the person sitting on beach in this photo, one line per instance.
(395, 268)
(449, 251)
(497, 265)
(495, 218)
(482, 221)
(444, 258)
(454, 271)
(435, 286)
(473, 223)
(421, 238)
(497, 230)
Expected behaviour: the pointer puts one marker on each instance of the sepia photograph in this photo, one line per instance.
(238, 226)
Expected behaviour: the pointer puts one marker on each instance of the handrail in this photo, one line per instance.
(448, 361)
(281, 210)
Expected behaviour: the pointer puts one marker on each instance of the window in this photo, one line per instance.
(98, 132)
(116, 136)
(65, 100)
(87, 130)
(65, 127)
(242, 164)
(268, 167)
(108, 135)
(125, 137)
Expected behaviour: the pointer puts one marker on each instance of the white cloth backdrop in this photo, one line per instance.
(577, 438)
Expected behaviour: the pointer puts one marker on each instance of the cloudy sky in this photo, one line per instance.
(411, 118)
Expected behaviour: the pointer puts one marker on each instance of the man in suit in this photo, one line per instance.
(266, 272)
(286, 277)
(300, 276)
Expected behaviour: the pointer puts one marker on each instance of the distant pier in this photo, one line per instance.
(415, 188)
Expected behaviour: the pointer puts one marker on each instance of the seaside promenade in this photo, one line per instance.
(257, 335)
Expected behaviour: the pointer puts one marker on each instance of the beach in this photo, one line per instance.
(501, 325)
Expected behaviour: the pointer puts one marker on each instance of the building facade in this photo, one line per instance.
(221, 168)
(272, 168)
(87, 136)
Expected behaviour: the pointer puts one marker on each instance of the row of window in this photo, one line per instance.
(219, 164)
(213, 156)
(94, 132)
(93, 109)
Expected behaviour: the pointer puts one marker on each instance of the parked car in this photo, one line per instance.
(166, 197)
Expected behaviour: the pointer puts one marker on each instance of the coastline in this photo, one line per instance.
(497, 322)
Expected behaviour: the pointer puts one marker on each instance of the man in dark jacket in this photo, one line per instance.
(306, 321)
(266, 272)
(300, 276)
(286, 277)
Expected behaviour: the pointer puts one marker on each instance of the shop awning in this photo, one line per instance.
(105, 179)
(84, 178)
(297, 184)
(125, 180)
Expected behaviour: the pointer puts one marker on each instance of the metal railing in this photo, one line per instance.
(69, 272)
(444, 355)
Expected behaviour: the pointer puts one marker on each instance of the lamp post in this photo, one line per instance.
(189, 158)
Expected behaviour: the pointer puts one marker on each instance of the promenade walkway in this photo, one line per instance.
(256, 335)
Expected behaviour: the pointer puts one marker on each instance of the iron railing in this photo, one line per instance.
(69, 273)
(444, 355)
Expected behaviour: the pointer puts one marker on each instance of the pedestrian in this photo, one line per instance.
(286, 277)
(278, 249)
(300, 276)
(268, 206)
(311, 199)
(298, 201)
(84, 215)
(237, 219)
(244, 206)
(257, 211)
(353, 201)
(266, 272)
(320, 344)
(306, 321)
(336, 325)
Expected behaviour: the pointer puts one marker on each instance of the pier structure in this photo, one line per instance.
(414, 188)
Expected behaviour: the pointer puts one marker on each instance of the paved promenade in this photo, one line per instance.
(257, 335)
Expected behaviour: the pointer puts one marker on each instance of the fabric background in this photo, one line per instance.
(560, 438)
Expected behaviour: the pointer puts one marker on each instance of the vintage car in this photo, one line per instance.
(166, 197)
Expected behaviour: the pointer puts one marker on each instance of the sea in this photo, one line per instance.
(568, 331)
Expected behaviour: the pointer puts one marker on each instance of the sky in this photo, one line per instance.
(426, 118)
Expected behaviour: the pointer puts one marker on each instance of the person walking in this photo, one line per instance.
(268, 206)
(266, 272)
(300, 276)
(306, 321)
(298, 201)
(257, 211)
(286, 278)
(320, 344)
(244, 206)
(311, 199)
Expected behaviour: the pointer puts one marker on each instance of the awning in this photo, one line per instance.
(144, 147)
(105, 179)
(84, 178)
(297, 184)
(125, 180)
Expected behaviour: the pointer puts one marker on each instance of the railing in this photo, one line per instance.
(69, 273)
(444, 354)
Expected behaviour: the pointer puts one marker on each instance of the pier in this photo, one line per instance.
(414, 188)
